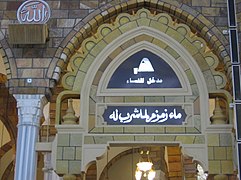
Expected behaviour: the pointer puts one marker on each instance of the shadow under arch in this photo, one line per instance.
(105, 14)
(133, 155)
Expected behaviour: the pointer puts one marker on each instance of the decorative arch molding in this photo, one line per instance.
(194, 19)
(7, 57)
(176, 39)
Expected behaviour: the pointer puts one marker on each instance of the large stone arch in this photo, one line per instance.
(95, 53)
(200, 25)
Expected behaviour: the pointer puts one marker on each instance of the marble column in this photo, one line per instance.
(30, 110)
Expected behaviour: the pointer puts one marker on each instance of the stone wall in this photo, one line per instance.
(39, 61)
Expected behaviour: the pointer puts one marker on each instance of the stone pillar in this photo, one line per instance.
(29, 113)
(47, 169)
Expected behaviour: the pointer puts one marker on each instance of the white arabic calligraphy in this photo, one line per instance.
(138, 114)
(150, 81)
(33, 12)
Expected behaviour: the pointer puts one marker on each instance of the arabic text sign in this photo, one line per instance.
(33, 12)
(144, 69)
(144, 115)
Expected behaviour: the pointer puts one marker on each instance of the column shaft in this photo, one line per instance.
(29, 113)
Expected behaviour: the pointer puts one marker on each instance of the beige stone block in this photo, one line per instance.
(103, 139)
(201, 62)
(124, 138)
(78, 80)
(91, 122)
(193, 131)
(159, 43)
(128, 44)
(155, 130)
(143, 22)
(113, 35)
(227, 167)
(62, 167)
(134, 129)
(183, 63)
(89, 45)
(24, 63)
(143, 37)
(115, 53)
(144, 138)
(75, 139)
(189, 46)
(213, 139)
(195, 89)
(33, 73)
(65, 22)
(165, 138)
(78, 153)
(186, 139)
(68, 153)
(199, 140)
(220, 153)
(63, 140)
(41, 62)
(60, 153)
(98, 48)
(109, 99)
(71, 47)
(210, 11)
(175, 130)
(175, 35)
(98, 130)
(128, 26)
(154, 99)
(89, 140)
(113, 130)
(74, 167)
(214, 167)
(210, 153)
(172, 52)
(225, 139)
(190, 77)
(174, 99)
(229, 153)
(86, 63)
(134, 99)
(201, 3)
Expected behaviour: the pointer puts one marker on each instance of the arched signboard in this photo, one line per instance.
(144, 70)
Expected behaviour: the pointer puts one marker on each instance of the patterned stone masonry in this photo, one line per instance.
(67, 14)
(220, 153)
(98, 139)
(69, 153)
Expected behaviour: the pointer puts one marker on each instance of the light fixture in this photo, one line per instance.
(144, 168)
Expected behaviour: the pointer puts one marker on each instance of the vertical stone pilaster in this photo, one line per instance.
(30, 109)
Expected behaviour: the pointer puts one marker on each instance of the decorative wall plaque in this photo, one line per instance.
(33, 12)
(144, 115)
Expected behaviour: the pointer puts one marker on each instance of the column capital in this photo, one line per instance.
(30, 108)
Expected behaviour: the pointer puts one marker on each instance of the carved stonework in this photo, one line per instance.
(69, 117)
(218, 114)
